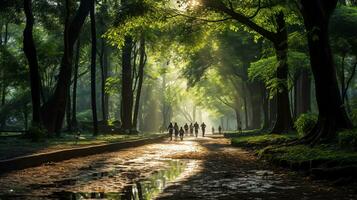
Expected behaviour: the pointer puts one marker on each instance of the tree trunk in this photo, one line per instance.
(4, 86)
(93, 69)
(74, 123)
(256, 102)
(127, 92)
(31, 55)
(272, 111)
(194, 113)
(239, 123)
(283, 121)
(54, 109)
(26, 114)
(265, 100)
(332, 113)
(245, 112)
(104, 72)
(142, 62)
(303, 93)
(68, 111)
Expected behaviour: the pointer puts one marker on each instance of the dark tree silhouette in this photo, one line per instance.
(93, 69)
(31, 55)
(53, 110)
(332, 113)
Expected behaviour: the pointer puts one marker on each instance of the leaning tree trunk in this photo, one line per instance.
(53, 110)
(31, 55)
(142, 61)
(283, 121)
(93, 69)
(332, 113)
(104, 73)
(74, 123)
(127, 92)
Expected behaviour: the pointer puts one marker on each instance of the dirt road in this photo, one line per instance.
(202, 168)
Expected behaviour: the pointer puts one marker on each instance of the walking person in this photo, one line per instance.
(219, 129)
(182, 132)
(171, 130)
(212, 130)
(191, 129)
(203, 127)
(186, 129)
(176, 129)
(196, 126)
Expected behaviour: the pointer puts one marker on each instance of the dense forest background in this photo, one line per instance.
(135, 65)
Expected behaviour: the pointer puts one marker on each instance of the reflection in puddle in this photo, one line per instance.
(142, 190)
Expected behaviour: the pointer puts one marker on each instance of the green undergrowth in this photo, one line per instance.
(274, 147)
(22, 146)
(257, 139)
(303, 153)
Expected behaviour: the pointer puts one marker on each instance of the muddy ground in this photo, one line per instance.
(196, 168)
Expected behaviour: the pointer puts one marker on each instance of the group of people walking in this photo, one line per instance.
(185, 130)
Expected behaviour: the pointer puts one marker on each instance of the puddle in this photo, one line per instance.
(141, 190)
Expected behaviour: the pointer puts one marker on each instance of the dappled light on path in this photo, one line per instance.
(196, 168)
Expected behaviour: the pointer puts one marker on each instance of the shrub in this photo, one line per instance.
(36, 133)
(348, 138)
(305, 123)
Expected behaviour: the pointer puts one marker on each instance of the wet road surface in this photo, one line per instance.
(202, 168)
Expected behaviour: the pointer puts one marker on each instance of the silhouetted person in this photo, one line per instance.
(186, 129)
(203, 127)
(191, 129)
(171, 130)
(240, 126)
(196, 126)
(176, 128)
(219, 129)
(212, 130)
(181, 133)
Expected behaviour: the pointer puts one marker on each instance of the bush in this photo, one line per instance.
(348, 138)
(305, 123)
(36, 133)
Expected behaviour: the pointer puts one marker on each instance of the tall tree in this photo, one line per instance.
(279, 39)
(53, 111)
(127, 82)
(31, 55)
(142, 61)
(74, 122)
(332, 113)
(93, 69)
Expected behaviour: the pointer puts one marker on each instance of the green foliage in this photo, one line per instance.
(305, 123)
(36, 133)
(348, 138)
(344, 25)
(303, 153)
(265, 70)
(354, 115)
(85, 115)
(261, 139)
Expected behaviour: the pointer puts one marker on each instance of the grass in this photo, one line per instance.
(267, 146)
(260, 139)
(15, 146)
(303, 153)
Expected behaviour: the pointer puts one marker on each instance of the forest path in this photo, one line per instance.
(196, 168)
(226, 172)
